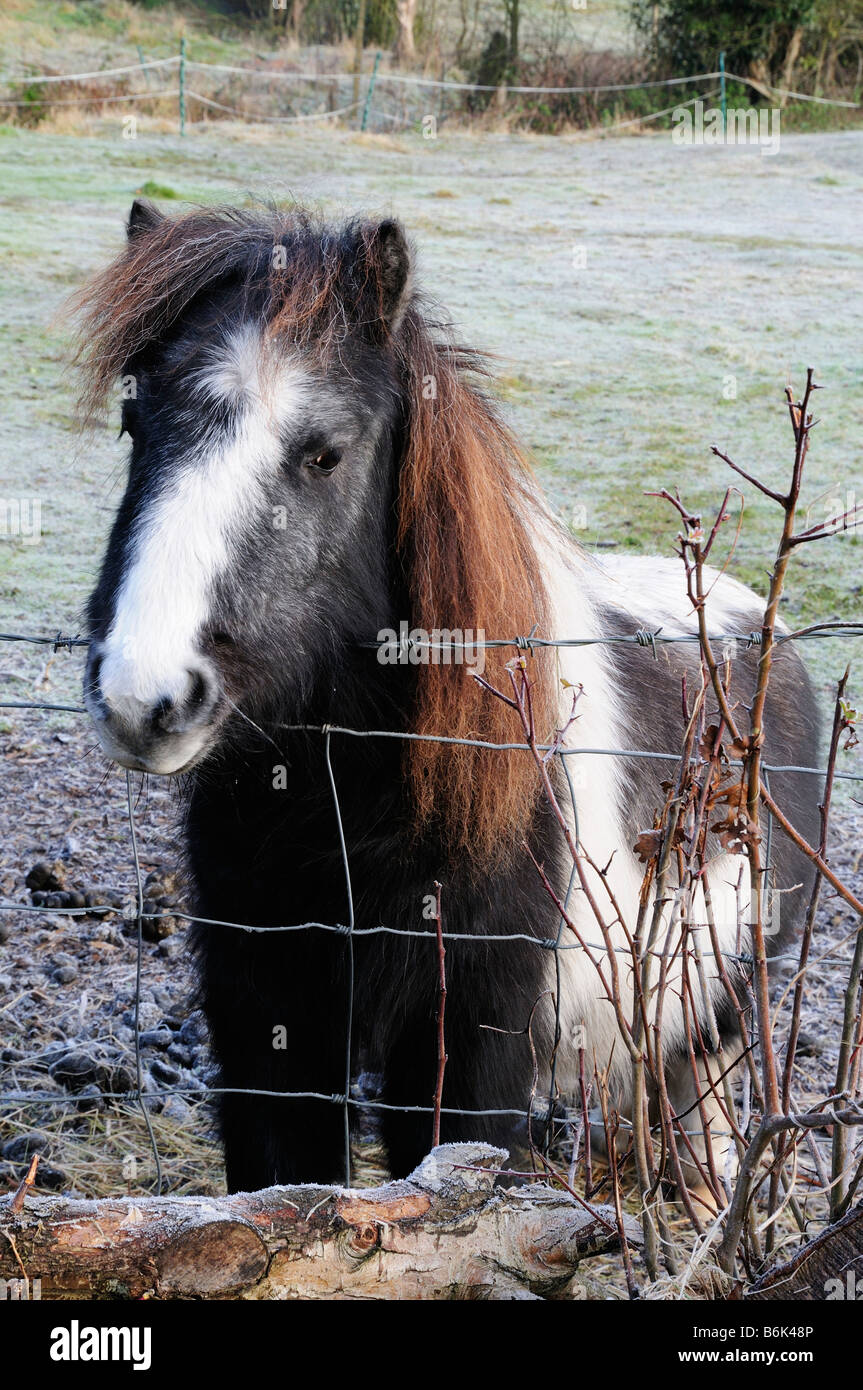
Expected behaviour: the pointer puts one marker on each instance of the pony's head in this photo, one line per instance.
(308, 457)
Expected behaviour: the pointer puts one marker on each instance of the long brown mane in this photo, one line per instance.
(465, 494)
(464, 517)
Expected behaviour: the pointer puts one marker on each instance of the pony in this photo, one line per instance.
(315, 461)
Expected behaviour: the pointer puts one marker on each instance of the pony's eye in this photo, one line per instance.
(325, 461)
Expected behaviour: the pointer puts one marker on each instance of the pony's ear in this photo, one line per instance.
(143, 217)
(388, 265)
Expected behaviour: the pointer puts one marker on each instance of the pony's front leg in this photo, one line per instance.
(268, 1142)
(276, 1011)
(488, 1069)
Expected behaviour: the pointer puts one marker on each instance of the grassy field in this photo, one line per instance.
(644, 301)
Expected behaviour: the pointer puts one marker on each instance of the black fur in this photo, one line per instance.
(291, 872)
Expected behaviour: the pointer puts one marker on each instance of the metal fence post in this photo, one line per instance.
(722, 97)
(368, 106)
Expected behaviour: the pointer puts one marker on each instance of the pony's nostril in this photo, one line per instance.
(161, 712)
(170, 715)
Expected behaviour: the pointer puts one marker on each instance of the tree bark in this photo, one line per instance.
(446, 1232)
(405, 47)
(359, 40)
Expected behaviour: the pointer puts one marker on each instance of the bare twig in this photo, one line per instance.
(28, 1181)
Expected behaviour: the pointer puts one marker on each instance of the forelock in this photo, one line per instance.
(298, 279)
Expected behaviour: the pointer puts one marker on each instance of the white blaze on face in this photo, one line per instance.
(184, 539)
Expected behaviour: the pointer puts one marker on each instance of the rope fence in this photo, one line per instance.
(395, 82)
(349, 930)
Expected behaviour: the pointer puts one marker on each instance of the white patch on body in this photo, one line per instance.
(654, 592)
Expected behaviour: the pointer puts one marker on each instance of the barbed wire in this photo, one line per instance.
(643, 637)
(411, 80)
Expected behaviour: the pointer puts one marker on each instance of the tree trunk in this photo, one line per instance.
(791, 56)
(513, 13)
(359, 37)
(445, 1232)
(405, 48)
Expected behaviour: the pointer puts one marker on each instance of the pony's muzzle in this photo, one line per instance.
(162, 733)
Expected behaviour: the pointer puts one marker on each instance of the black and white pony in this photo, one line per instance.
(313, 461)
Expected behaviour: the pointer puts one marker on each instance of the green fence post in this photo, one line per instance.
(183, 85)
(368, 106)
(722, 99)
(141, 59)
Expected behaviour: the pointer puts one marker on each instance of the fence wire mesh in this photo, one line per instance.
(345, 1100)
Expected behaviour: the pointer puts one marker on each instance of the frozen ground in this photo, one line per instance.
(644, 301)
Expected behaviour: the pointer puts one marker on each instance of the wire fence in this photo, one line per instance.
(349, 930)
(385, 98)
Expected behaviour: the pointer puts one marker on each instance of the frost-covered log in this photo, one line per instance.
(447, 1232)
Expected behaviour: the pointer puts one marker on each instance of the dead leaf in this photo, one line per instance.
(648, 845)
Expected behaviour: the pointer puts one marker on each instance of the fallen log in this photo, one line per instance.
(449, 1231)
(829, 1268)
